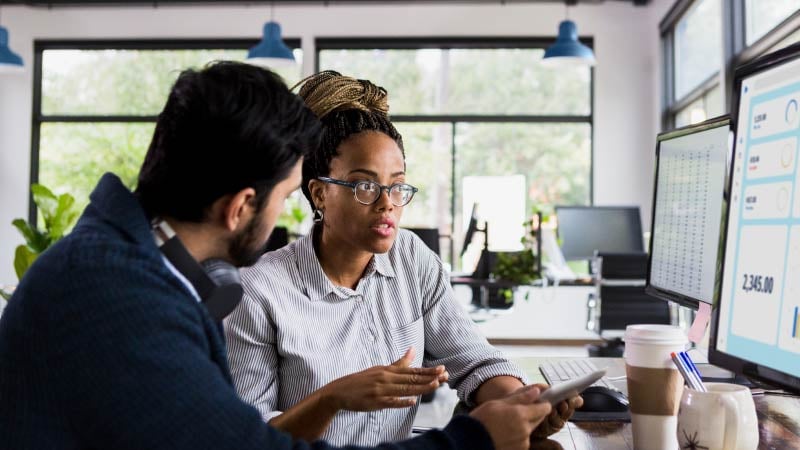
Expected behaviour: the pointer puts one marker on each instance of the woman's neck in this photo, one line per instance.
(342, 264)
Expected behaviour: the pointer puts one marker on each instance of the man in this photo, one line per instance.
(107, 342)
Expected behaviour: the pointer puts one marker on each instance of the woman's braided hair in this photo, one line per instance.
(345, 106)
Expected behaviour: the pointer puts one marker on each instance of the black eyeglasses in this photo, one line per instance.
(368, 192)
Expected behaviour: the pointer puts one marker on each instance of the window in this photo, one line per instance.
(482, 121)
(701, 37)
(693, 43)
(761, 16)
(789, 40)
(708, 106)
(98, 102)
(698, 46)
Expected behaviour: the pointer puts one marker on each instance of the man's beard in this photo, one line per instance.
(245, 249)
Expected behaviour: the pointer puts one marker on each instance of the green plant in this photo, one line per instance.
(294, 214)
(521, 267)
(59, 214)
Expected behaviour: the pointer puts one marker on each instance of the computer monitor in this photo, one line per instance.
(756, 326)
(584, 230)
(689, 202)
(472, 228)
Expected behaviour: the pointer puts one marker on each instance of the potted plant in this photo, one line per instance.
(522, 267)
(58, 213)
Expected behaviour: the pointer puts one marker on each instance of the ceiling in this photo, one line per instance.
(59, 3)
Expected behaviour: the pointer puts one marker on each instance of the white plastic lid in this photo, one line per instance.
(666, 334)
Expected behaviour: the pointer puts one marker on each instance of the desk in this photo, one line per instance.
(778, 418)
(551, 316)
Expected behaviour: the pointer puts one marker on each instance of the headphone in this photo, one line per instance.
(216, 281)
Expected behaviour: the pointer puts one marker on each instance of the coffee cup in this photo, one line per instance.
(724, 418)
(654, 384)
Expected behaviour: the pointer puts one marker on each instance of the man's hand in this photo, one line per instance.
(511, 420)
(393, 386)
(558, 416)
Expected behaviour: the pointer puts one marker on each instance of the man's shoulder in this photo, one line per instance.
(91, 267)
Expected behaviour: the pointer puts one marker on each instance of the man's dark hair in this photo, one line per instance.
(224, 128)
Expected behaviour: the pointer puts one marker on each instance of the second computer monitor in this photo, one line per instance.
(689, 212)
(584, 230)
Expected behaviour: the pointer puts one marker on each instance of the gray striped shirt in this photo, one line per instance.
(295, 331)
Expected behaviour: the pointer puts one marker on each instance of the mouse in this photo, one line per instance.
(603, 399)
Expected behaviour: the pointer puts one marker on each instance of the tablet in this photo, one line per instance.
(560, 392)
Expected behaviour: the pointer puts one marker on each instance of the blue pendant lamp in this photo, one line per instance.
(271, 51)
(568, 50)
(9, 61)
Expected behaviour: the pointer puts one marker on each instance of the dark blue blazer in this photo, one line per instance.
(102, 347)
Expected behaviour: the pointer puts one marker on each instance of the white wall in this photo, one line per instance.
(626, 84)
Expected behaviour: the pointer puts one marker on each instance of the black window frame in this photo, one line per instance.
(42, 45)
(417, 43)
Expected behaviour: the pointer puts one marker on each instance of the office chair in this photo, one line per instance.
(279, 238)
(620, 300)
(430, 236)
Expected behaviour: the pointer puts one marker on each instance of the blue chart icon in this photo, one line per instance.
(791, 111)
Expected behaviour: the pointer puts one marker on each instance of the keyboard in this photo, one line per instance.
(560, 371)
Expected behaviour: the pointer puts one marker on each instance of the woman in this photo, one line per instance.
(331, 336)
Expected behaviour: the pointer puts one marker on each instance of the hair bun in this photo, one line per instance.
(329, 91)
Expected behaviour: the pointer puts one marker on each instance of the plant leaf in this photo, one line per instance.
(35, 239)
(6, 296)
(64, 217)
(46, 201)
(23, 258)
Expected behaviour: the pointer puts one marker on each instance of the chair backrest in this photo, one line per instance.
(621, 290)
(430, 236)
(279, 238)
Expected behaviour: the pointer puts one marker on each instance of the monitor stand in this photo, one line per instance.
(710, 373)
(611, 348)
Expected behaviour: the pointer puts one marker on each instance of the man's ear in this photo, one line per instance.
(239, 209)
(317, 190)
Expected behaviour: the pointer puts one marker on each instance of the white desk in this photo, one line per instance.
(550, 316)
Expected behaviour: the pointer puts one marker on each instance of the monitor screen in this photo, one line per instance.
(472, 228)
(688, 212)
(583, 230)
(757, 324)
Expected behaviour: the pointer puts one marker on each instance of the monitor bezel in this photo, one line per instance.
(626, 207)
(472, 228)
(715, 356)
(666, 294)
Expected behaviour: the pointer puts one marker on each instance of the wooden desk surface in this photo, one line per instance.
(778, 419)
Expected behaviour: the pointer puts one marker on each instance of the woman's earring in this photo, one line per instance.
(318, 215)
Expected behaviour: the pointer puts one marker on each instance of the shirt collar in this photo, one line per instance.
(317, 283)
(383, 265)
(181, 277)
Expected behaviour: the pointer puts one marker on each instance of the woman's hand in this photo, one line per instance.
(393, 386)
